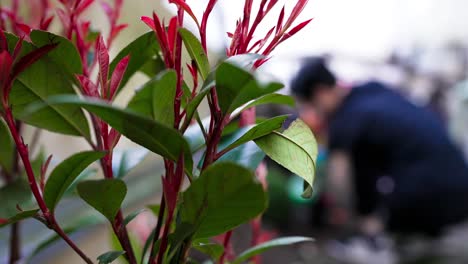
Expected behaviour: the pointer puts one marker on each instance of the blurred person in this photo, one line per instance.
(408, 177)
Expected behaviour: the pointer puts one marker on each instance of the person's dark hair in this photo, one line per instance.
(313, 74)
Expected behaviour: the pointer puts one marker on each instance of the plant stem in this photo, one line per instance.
(54, 226)
(157, 231)
(23, 152)
(227, 239)
(15, 243)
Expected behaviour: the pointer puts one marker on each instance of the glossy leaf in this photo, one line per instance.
(272, 98)
(7, 149)
(211, 249)
(295, 149)
(155, 99)
(109, 257)
(284, 241)
(253, 132)
(53, 74)
(150, 134)
(236, 86)
(106, 196)
(124, 160)
(87, 173)
(140, 50)
(196, 52)
(223, 197)
(20, 216)
(65, 174)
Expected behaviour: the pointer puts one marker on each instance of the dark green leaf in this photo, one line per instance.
(153, 67)
(140, 50)
(125, 160)
(223, 197)
(284, 241)
(236, 86)
(71, 191)
(53, 74)
(182, 232)
(148, 133)
(192, 106)
(7, 149)
(211, 249)
(253, 132)
(65, 174)
(109, 257)
(20, 216)
(295, 149)
(106, 196)
(196, 52)
(155, 99)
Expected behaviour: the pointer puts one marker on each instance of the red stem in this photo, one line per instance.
(227, 240)
(24, 154)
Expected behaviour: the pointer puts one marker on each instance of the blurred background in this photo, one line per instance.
(418, 46)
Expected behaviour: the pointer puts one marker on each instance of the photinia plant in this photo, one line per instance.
(47, 81)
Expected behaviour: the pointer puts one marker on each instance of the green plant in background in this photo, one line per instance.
(46, 81)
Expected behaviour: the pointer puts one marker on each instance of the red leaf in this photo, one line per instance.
(31, 58)
(114, 137)
(83, 6)
(186, 8)
(24, 28)
(148, 21)
(3, 221)
(3, 42)
(18, 47)
(172, 32)
(6, 61)
(45, 23)
(279, 25)
(87, 86)
(116, 30)
(118, 74)
(296, 29)
(63, 18)
(298, 8)
(103, 59)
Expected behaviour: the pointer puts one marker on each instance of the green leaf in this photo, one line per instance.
(20, 216)
(196, 52)
(15, 193)
(65, 174)
(154, 208)
(157, 137)
(53, 74)
(253, 132)
(7, 150)
(211, 249)
(295, 149)
(109, 257)
(182, 232)
(223, 197)
(106, 196)
(155, 99)
(140, 50)
(272, 98)
(87, 173)
(236, 86)
(132, 216)
(284, 241)
(125, 160)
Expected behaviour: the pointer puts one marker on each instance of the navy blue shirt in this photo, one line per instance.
(387, 136)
